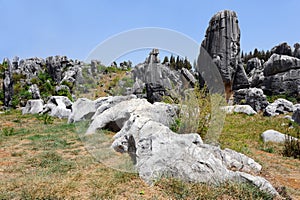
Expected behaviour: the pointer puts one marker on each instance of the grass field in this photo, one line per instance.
(43, 158)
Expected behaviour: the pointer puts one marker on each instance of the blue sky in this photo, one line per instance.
(41, 28)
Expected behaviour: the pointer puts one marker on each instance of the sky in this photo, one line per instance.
(42, 28)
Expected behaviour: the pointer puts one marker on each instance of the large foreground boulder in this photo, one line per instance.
(114, 117)
(156, 152)
(85, 109)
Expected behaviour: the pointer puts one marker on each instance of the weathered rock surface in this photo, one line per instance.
(282, 49)
(33, 106)
(35, 91)
(282, 75)
(296, 116)
(279, 106)
(158, 152)
(296, 50)
(280, 63)
(8, 83)
(114, 117)
(246, 109)
(274, 136)
(222, 42)
(58, 106)
(255, 73)
(85, 109)
(253, 96)
(157, 79)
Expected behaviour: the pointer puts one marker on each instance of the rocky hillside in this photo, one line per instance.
(143, 106)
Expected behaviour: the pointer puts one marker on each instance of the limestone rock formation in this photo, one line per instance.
(158, 80)
(8, 83)
(282, 75)
(279, 106)
(115, 116)
(85, 109)
(253, 96)
(156, 151)
(246, 109)
(222, 42)
(35, 91)
(296, 116)
(254, 72)
(33, 106)
(282, 49)
(296, 50)
(274, 136)
(58, 106)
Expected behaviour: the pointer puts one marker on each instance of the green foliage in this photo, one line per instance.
(66, 93)
(47, 119)
(69, 84)
(17, 77)
(176, 125)
(195, 110)
(256, 53)
(8, 131)
(272, 98)
(178, 63)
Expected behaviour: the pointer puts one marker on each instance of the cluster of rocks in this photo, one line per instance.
(64, 72)
(143, 132)
(280, 74)
(57, 106)
(154, 80)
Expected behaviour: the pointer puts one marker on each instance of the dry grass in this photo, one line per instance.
(48, 161)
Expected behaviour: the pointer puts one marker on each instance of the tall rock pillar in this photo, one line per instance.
(222, 43)
(7, 83)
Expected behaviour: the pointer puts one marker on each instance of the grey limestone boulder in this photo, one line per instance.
(114, 117)
(58, 106)
(246, 109)
(280, 63)
(35, 91)
(282, 49)
(253, 96)
(158, 152)
(85, 109)
(274, 136)
(33, 106)
(279, 106)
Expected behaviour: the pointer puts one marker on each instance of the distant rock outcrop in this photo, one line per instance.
(158, 80)
(222, 42)
(8, 83)
(282, 49)
(253, 96)
(282, 75)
